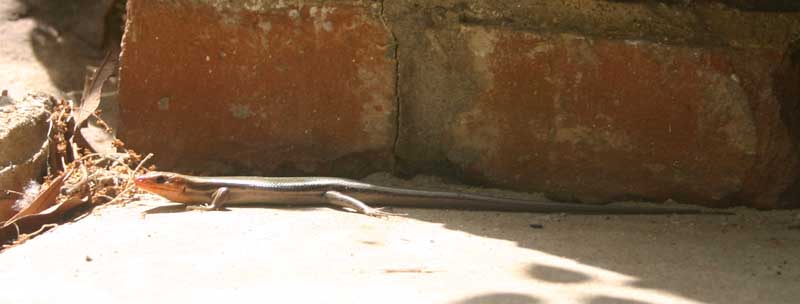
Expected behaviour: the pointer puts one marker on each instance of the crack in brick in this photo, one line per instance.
(397, 111)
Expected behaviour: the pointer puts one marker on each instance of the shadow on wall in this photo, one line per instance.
(745, 5)
(71, 36)
(787, 88)
(765, 5)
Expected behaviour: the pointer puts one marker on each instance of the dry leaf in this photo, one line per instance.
(44, 200)
(94, 88)
(33, 222)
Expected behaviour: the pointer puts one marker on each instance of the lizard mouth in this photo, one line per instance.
(156, 184)
(146, 183)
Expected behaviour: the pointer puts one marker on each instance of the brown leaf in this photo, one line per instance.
(44, 200)
(92, 91)
(33, 222)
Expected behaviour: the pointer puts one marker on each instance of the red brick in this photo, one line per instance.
(602, 120)
(269, 89)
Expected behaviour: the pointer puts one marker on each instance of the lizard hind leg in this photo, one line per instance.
(346, 201)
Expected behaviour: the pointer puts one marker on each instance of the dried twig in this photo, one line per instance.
(13, 192)
(104, 177)
(27, 236)
(130, 185)
(72, 188)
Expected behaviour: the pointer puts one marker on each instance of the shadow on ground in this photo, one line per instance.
(501, 298)
(71, 36)
(648, 259)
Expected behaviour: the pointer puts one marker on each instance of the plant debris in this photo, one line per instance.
(93, 87)
(83, 171)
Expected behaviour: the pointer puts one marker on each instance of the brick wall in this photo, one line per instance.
(589, 101)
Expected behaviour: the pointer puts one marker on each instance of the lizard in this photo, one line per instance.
(213, 193)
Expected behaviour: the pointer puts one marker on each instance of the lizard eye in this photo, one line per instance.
(161, 179)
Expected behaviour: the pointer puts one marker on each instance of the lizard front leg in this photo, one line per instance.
(346, 201)
(218, 200)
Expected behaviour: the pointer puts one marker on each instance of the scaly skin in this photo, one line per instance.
(346, 193)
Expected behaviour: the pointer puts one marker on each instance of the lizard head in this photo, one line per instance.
(169, 185)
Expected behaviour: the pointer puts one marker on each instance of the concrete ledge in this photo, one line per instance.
(261, 255)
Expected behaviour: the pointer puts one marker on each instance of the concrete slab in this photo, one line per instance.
(431, 256)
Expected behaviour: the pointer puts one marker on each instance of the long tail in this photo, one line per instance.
(399, 197)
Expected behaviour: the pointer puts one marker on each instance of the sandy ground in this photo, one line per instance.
(322, 255)
(35, 56)
(325, 255)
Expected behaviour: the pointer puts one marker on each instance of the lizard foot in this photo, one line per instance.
(378, 212)
(218, 199)
(203, 208)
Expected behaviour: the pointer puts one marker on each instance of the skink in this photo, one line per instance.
(216, 192)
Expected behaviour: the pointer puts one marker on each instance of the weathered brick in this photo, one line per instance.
(259, 87)
(599, 120)
(579, 99)
(602, 100)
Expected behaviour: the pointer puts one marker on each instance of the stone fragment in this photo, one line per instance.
(23, 144)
